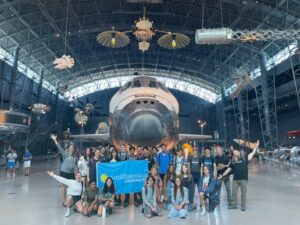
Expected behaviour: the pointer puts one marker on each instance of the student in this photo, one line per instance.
(131, 155)
(67, 166)
(178, 162)
(222, 163)
(11, 162)
(123, 156)
(103, 156)
(164, 159)
(138, 196)
(195, 166)
(82, 166)
(114, 156)
(188, 182)
(209, 160)
(139, 153)
(169, 182)
(208, 190)
(27, 161)
(148, 157)
(149, 207)
(88, 154)
(89, 202)
(180, 201)
(92, 166)
(75, 188)
(106, 198)
(239, 168)
(157, 184)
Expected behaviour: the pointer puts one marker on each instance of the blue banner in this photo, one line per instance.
(128, 176)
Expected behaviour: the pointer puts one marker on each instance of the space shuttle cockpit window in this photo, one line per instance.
(137, 84)
(152, 84)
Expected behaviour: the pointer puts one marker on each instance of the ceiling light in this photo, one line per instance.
(113, 41)
(173, 44)
(173, 41)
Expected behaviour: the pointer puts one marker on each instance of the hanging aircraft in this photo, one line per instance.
(143, 112)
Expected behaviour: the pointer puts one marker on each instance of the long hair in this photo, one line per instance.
(180, 187)
(90, 155)
(188, 173)
(111, 157)
(169, 173)
(207, 167)
(147, 179)
(110, 189)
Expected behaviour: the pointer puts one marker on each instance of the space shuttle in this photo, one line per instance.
(143, 112)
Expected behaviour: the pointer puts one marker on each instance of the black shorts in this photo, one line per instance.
(162, 176)
(69, 176)
(76, 199)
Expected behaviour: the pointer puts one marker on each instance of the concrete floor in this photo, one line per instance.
(273, 198)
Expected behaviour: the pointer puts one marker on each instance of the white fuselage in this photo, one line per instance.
(143, 112)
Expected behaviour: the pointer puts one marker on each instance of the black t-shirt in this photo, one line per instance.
(92, 166)
(186, 182)
(151, 162)
(208, 161)
(221, 160)
(103, 158)
(240, 168)
(195, 165)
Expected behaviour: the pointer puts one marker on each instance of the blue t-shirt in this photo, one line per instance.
(209, 162)
(27, 156)
(164, 160)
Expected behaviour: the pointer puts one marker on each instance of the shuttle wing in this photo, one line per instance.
(92, 137)
(187, 137)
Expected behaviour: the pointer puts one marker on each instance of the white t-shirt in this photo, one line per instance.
(82, 166)
(205, 183)
(75, 188)
(12, 157)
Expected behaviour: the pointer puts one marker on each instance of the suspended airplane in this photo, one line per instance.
(143, 112)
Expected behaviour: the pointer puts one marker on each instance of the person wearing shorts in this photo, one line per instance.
(67, 166)
(27, 162)
(75, 189)
(11, 163)
(106, 198)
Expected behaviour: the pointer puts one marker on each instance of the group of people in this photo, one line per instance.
(12, 162)
(171, 183)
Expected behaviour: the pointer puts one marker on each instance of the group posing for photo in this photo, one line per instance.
(171, 184)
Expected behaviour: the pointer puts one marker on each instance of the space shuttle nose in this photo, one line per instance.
(146, 129)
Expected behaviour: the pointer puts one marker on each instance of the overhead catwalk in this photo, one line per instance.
(273, 198)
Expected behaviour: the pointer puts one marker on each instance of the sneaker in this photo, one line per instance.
(231, 207)
(68, 212)
(243, 209)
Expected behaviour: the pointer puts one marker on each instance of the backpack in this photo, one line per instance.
(170, 161)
